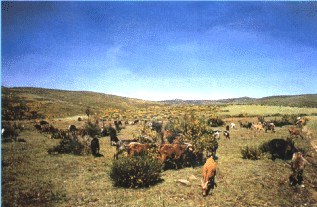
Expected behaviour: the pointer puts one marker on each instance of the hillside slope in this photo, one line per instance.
(63, 103)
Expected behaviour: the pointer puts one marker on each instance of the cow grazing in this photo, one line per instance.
(9, 132)
(226, 134)
(168, 136)
(298, 164)
(300, 122)
(269, 126)
(95, 147)
(72, 128)
(232, 125)
(216, 134)
(156, 126)
(258, 127)
(38, 127)
(43, 123)
(136, 148)
(295, 132)
(174, 152)
(209, 172)
(123, 146)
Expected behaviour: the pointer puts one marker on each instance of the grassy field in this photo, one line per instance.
(32, 177)
(252, 110)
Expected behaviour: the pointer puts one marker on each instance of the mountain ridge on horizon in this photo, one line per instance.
(176, 100)
(63, 103)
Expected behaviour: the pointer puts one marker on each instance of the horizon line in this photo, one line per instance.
(164, 100)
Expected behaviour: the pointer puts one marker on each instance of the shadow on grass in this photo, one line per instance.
(159, 181)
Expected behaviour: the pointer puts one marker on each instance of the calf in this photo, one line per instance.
(209, 172)
(298, 164)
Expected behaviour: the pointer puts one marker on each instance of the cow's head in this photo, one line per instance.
(204, 187)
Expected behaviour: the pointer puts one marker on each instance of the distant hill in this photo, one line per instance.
(307, 100)
(63, 103)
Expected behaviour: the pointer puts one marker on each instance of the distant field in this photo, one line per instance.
(236, 110)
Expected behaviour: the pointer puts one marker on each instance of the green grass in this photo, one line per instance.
(253, 110)
(32, 177)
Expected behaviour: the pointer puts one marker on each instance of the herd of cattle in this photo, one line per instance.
(177, 152)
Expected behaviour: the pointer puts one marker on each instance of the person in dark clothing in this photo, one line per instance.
(95, 146)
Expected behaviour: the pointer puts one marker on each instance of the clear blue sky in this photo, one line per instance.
(162, 50)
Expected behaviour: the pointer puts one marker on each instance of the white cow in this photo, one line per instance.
(233, 125)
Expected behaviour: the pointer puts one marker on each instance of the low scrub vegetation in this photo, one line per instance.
(72, 145)
(139, 171)
(251, 152)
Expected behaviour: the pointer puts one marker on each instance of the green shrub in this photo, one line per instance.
(72, 145)
(285, 120)
(92, 129)
(139, 171)
(251, 152)
(67, 146)
(215, 122)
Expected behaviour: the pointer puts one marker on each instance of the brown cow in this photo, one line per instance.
(295, 132)
(167, 135)
(209, 173)
(173, 151)
(257, 127)
(136, 148)
(298, 164)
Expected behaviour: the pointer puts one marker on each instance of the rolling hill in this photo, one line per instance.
(63, 103)
(306, 100)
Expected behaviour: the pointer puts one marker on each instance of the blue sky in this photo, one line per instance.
(162, 50)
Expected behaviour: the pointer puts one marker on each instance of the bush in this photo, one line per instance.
(251, 152)
(67, 146)
(139, 171)
(92, 129)
(215, 122)
(286, 120)
(279, 148)
(72, 145)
